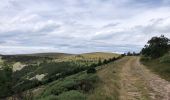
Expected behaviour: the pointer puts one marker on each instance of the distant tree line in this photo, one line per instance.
(131, 54)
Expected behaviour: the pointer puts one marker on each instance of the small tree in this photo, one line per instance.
(99, 62)
(105, 61)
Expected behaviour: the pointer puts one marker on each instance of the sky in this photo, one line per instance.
(80, 26)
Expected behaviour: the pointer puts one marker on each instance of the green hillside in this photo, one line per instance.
(30, 72)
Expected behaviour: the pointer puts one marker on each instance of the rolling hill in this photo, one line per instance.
(38, 70)
(56, 55)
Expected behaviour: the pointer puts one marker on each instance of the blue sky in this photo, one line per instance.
(79, 26)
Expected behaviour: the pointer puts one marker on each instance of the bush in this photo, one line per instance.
(80, 82)
(71, 95)
(50, 97)
(64, 86)
(58, 90)
(99, 62)
(165, 59)
(105, 61)
(5, 81)
(145, 59)
(91, 70)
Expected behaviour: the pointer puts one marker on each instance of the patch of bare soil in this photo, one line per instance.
(18, 66)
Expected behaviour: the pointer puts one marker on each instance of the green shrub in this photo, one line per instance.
(5, 81)
(91, 70)
(81, 82)
(165, 59)
(64, 86)
(24, 71)
(50, 97)
(71, 95)
(58, 90)
(145, 59)
(54, 68)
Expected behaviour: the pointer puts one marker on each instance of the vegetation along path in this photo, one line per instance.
(130, 80)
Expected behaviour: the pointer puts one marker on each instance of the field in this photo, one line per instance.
(88, 58)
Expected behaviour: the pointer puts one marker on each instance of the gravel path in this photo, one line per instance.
(138, 83)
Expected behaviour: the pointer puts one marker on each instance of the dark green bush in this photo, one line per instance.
(72, 95)
(165, 59)
(50, 97)
(91, 70)
(81, 82)
(145, 58)
(5, 81)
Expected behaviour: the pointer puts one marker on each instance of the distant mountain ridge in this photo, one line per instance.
(42, 54)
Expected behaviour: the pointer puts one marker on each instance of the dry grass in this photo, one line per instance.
(108, 88)
(89, 57)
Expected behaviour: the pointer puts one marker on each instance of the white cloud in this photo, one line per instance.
(75, 26)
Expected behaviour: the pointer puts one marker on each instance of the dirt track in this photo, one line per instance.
(138, 83)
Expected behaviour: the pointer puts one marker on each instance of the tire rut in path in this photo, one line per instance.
(159, 86)
(138, 83)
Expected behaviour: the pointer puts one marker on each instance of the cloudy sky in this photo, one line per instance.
(78, 26)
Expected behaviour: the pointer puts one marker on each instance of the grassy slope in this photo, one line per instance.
(82, 60)
(56, 85)
(88, 56)
(160, 66)
(108, 88)
(59, 88)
